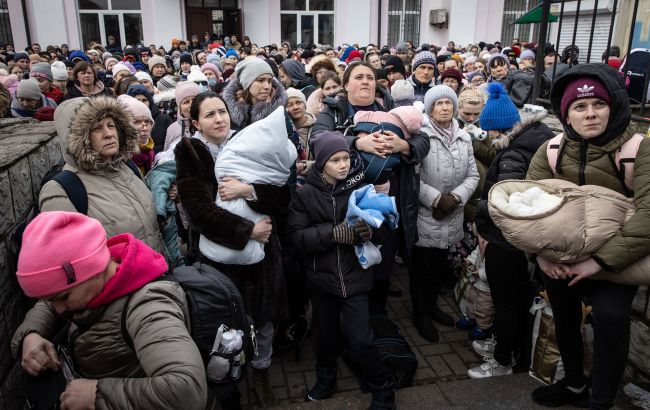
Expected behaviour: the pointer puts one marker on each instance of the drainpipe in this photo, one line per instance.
(27, 30)
(378, 25)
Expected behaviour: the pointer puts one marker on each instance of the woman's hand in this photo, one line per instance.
(553, 270)
(38, 355)
(583, 270)
(393, 144)
(373, 144)
(301, 167)
(79, 395)
(262, 230)
(230, 188)
(172, 193)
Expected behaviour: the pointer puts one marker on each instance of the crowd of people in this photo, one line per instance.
(151, 134)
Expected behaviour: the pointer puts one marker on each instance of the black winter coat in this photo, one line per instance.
(262, 284)
(334, 117)
(161, 122)
(317, 207)
(514, 153)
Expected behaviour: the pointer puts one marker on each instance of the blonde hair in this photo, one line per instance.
(473, 96)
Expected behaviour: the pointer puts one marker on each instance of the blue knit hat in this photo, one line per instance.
(232, 52)
(499, 113)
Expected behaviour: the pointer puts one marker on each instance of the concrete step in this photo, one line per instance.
(506, 392)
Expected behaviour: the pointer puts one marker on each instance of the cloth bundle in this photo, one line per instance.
(563, 222)
(258, 154)
(375, 209)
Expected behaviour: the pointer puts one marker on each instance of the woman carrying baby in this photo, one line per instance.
(261, 284)
(592, 103)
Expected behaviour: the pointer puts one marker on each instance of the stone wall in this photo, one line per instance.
(28, 149)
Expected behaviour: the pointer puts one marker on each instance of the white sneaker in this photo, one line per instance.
(485, 348)
(488, 369)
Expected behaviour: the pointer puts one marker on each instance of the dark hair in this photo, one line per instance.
(122, 86)
(80, 67)
(351, 67)
(330, 75)
(499, 62)
(195, 108)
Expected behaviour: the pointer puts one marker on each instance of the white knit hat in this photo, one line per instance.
(436, 93)
(196, 75)
(120, 67)
(402, 90)
(59, 71)
(141, 75)
(135, 107)
(295, 93)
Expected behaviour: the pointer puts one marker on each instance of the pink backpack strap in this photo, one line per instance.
(552, 149)
(625, 156)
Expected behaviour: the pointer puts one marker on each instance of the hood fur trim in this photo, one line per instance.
(241, 112)
(503, 141)
(95, 110)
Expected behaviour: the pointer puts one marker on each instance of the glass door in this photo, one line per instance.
(111, 28)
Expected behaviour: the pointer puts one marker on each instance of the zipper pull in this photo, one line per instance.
(254, 340)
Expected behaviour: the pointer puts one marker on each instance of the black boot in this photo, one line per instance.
(435, 313)
(263, 389)
(421, 320)
(383, 397)
(325, 385)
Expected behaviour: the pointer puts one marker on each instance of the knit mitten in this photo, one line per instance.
(343, 234)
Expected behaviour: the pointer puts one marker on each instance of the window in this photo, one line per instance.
(512, 10)
(216, 4)
(5, 26)
(403, 21)
(121, 19)
(307, 21)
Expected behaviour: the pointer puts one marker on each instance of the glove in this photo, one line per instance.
(343, 234)
(446, 205)
(362, 232)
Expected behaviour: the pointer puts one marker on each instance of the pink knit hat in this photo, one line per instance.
(60, 251)
(186, 89)
(135, 107)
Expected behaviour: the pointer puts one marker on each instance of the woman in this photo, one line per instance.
(593, 107)
(161, 121)
(253, 93)
(292, 74)
(360, 93)
(506, 267)
(85, 83)
(185, 93)
(261, 284)
(374, 60)
(154, 372)
(448, 178)
(303, 123)
(99, 138)
(330, 84)
(318, 66)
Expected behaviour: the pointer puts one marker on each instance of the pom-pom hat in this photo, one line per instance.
(499, 112)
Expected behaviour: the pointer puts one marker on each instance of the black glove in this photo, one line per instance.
(362, 232)
(343, 234)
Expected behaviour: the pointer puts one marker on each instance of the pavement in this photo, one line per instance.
(441, 381)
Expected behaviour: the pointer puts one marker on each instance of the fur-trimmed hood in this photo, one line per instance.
(242, 113)
(503, 141)
(81, 118)
(164, 96)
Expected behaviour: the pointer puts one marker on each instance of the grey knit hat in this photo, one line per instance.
(436, 93)
(423, 57)
(28, 89)
(41, 70)
(248, 70)
(166, 83)
(402, 90)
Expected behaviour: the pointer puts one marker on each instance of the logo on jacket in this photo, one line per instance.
(585, 91)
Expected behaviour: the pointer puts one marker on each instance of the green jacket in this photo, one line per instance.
(632, 242)
(484, 153)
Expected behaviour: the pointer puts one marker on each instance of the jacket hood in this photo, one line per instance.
(83, 117)
(619, 118)
(503, 141)
(242, 113)
(167, 95)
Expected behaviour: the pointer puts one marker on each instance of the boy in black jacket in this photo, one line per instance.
(338, 282)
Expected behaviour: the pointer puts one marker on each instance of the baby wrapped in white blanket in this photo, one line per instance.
(259, 154)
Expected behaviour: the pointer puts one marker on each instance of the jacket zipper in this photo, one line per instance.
(583, 162)
(338, 256)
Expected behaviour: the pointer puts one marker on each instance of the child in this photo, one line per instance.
(338, 283)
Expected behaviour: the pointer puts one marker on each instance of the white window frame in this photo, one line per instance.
(110, 12)
(315, 14)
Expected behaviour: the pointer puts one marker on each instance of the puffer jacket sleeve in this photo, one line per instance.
(159, 181)
(305, 235)
(632, 242)
(54, 198)
(420, 146)
(469, 184)
(167, 354)
(325, 121)
(539, 167)
(40, 319)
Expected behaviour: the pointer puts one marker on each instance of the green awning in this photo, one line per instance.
(534, 16)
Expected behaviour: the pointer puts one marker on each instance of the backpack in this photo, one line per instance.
(214, 304)
(623, 159)
(636, 70)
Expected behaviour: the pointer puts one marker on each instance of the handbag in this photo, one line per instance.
(43, 391)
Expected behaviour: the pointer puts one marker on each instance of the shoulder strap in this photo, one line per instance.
(74, 189)
(125, 332)
(625, 156)
(552, 149)
(129, 163)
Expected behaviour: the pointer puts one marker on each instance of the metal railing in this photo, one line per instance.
(639, 106)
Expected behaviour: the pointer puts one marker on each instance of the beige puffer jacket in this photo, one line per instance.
(583, 220)
(164, 372)
(116, 196)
